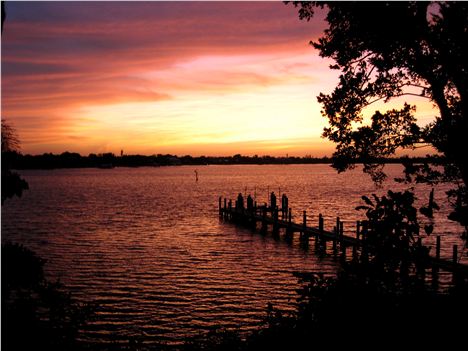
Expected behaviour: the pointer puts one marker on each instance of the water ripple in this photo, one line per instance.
(147, 246)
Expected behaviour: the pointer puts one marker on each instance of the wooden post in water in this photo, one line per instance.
(251, 216)
(334, 246)
(275, 221)
(435, 269)
(455, 261)
(343, 253)
(364, 228)
(336, 229)
(289, 221)
(225, 208)
(355, 256)
(342, 244)
(438, 247)
(337, 226)
(364, 252)
(435, 277)
(264, 223)
(230, 208)
(320, 226)
(455, 254)
(419, 267)
(219, 207)
(358, 228)
(304, 222)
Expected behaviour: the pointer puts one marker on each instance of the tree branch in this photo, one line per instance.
(395, 96)
(360, 59)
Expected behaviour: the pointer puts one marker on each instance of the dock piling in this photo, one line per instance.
(275, 221)
(304, 222)
(225, 209)
(337, 227)
(289, 228)
(264, 222)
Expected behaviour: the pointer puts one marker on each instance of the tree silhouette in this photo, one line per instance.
(387, 50)
(12, 183)
(36, 313)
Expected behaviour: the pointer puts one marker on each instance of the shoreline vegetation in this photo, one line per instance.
(110, 160)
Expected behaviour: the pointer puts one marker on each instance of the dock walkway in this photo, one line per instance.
(280, 218)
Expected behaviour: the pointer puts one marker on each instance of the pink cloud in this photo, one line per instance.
(59, 56)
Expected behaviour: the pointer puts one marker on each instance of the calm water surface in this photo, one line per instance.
(147, 245)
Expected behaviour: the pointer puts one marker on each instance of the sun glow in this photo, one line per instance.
(272, 114)
(150, 79)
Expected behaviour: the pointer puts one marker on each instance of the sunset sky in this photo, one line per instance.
(206, 78)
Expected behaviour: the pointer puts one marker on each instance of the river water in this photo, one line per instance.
(147, 245)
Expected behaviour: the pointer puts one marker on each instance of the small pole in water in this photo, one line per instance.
(455, 254)
(196, 175)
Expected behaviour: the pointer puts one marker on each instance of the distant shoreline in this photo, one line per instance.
(109, 160)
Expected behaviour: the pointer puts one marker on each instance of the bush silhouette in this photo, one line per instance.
(36, 314)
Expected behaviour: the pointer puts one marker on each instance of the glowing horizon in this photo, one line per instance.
(181, 78)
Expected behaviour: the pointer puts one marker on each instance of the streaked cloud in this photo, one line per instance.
(150, 77)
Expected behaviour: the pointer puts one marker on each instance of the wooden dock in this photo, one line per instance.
(280, 218)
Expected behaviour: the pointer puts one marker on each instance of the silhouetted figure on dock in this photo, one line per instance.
(250, 203)
(272, 200)
(240, 202)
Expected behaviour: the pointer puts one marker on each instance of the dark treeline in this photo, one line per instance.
(109, 160)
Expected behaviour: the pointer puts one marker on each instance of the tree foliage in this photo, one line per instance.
(10, 140)
(386, 50)
(391, 236)
(12, 183)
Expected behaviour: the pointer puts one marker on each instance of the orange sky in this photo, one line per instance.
(181, 78)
